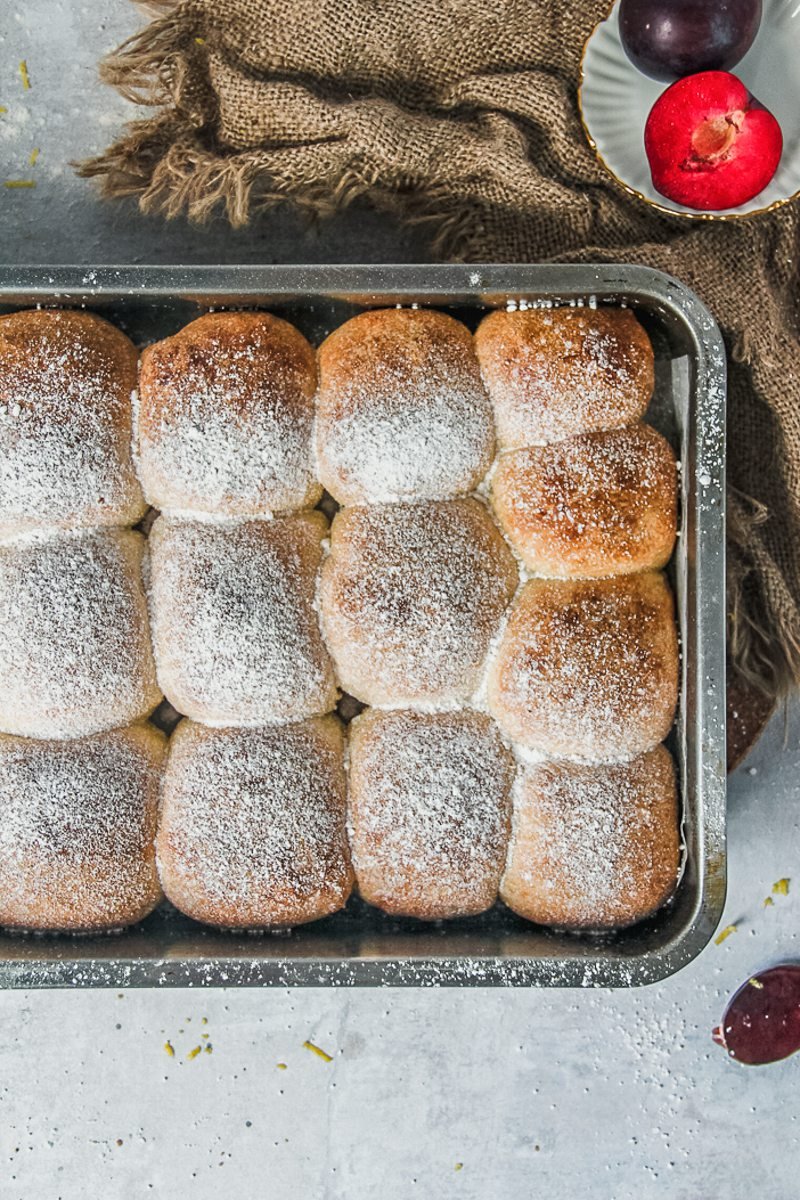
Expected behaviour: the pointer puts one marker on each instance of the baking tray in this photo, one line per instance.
(362, 946)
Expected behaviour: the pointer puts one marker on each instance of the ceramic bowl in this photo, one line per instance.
(615, 101)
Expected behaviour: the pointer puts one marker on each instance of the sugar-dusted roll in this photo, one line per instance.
(429, 811)
(77, 830)
(402, 413)
(594, 847)
(252, 831)
(235, 628)
(588, 669)
(553, 373)
(66, 380)
(411, 597)
(593, 505)
(75, 655)
(226, 410)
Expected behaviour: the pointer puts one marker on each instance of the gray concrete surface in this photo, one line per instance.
(437, 1094)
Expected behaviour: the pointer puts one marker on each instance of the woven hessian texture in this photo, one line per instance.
(462, 114)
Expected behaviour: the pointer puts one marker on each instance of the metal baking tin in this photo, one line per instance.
(363, 946)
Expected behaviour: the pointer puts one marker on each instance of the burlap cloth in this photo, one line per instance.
(462, 114)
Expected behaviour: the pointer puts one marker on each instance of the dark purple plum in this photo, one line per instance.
(667, 39)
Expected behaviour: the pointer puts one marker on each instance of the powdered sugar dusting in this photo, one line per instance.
(253, 824)
(402, 413)
(596, 846)
(225, 418)
(598, 504)
(65, 423)
(414, 600)
(429, 811)
(411, 597)
(588, 670)
(235, 630)
(74, 639)
(77, 829)
(553, 374)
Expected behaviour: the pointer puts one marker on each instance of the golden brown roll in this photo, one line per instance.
(226, 410)
(402, 413)
(429, 811)
(594, 847)
(594, 505)
(553, 373)
(252, 830)
(75, 652)
(411, 597)
(235, 628)
(77, 830)
(588, 669)
(66, 380)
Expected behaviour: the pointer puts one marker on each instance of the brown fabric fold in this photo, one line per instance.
(462, 115)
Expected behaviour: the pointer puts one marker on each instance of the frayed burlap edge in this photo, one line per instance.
(763, 646)
(168, 168)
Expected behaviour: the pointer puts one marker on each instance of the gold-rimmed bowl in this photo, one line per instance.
(615, 100)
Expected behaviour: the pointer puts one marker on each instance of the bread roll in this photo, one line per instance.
(429, 811)
(588, 670)
(554, 373)
(252, 831)
(77, 830)
(66, 380)
(411, 596)
(594, 505)
(402, 413)
(235, 628)
(594, 847)
(75, 648)
(226, 410)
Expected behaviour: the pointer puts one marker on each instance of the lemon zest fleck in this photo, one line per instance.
(209, 1049)
(170, 1049)
(3, 110)
(459, 1167)
(24, 76)
(20, 183)
(194, 1053)
(757, 984)
(34, 154)
(769, 902)
(316, 1050)
(200, 41)
(780, 887)
(723, 934)
(281, 1066)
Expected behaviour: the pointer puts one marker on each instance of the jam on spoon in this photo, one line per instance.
(762, 1020)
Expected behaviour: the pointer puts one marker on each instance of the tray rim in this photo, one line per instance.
(445, 284)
